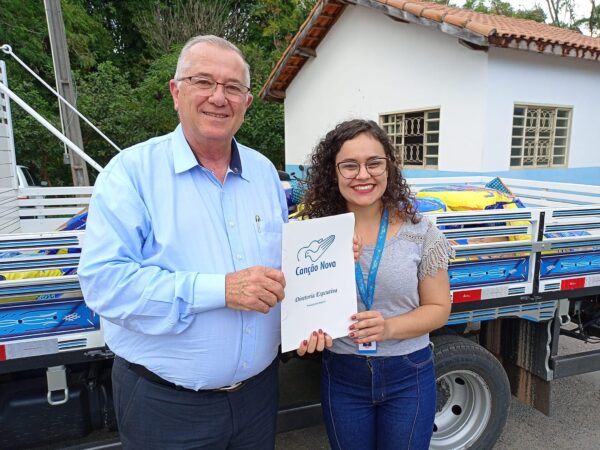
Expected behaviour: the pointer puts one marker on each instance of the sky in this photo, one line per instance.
(582, 7)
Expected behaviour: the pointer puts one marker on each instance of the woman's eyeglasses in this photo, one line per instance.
(351, 169)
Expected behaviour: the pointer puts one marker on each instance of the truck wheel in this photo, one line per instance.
(473, 395)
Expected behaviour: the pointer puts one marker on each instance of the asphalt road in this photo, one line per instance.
(574, 423)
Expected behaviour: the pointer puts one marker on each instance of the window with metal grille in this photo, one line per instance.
(540, 136)
(416, 137)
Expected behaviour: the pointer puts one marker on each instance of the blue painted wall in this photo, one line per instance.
(580, 175)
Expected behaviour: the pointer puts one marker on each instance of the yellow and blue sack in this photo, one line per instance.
(462, 197)
(429, 204)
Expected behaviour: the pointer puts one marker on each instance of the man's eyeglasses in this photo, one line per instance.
(208, 86)
(351, 169)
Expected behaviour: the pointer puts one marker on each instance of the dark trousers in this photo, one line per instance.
(154, 416)
(385, 403)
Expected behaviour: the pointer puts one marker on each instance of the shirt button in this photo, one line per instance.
(248, 330)
(244, 365)
(238, 256)
(232, 224)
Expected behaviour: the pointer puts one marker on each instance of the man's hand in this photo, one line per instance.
(256, 288)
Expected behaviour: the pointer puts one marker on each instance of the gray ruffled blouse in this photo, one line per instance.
(413, 253)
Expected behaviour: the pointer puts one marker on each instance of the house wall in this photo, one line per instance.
(516, 76)
(370, 64)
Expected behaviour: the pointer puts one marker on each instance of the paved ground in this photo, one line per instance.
(575, 420)
(574, 424)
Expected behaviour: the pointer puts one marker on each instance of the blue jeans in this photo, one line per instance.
(378, 402)
(151, 416)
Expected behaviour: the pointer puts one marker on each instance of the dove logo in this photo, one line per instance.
(315, 249)
(311, 253)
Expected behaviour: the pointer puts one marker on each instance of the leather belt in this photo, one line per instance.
(143, 372)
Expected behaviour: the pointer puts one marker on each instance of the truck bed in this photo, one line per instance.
(511, 263)
(519, 262)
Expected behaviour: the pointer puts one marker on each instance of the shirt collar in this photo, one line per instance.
(184, 158)
(235, 164)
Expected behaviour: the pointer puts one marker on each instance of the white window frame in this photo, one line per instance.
(396, 126)
(540, 136)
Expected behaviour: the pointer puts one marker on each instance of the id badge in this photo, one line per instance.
(370, 348)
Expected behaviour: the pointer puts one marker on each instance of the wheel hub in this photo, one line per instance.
(463, 410)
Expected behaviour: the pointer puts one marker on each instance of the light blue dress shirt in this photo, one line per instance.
(162, 233)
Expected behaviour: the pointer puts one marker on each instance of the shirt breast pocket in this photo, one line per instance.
(269, 241)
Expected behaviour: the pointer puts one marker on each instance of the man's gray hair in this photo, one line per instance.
(182, 63)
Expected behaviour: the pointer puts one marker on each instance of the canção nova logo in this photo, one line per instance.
(311, 253)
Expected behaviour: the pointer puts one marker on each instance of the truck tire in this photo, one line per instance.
(473, 395)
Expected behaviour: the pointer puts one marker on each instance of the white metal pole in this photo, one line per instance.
(8, 50)
(14, 97)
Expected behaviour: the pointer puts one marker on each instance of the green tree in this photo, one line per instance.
(168, 24)
(123, 55)
(130, 51)
(502, 8)
(274, 23)
(262, 29)
(89, 43)
(561, 12)
(271, 26)
(592, 21)
(154, 114)
(35, 146)
(107, 96)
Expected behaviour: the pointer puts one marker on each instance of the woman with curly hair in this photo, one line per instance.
(378, 383)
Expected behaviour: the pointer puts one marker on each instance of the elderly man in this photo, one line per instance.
(181, 259)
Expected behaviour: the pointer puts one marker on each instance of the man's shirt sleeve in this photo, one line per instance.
(114, 279)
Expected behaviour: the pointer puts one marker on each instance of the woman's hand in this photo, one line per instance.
(316, 342)
(357, 246)
(369, 326)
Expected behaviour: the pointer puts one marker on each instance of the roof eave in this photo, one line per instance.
(540, 46)
(473, 34)
(268, 92)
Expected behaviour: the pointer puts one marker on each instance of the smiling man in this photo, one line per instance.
(181, 261)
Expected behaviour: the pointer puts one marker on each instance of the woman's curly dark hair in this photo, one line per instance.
(323, 197)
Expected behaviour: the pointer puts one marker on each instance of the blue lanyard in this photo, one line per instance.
(367, 293)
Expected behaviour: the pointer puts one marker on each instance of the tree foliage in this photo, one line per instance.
(23, 26)
(165, 25)
(502, 8)
(561, 12)
(591, 22)
(123, 55)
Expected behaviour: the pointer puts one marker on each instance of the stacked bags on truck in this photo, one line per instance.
(463, 197)
(77, 222)
(494, 195)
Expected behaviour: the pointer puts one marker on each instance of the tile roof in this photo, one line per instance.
(476, 30)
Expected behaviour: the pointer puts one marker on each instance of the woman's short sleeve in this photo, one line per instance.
(436, 252)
